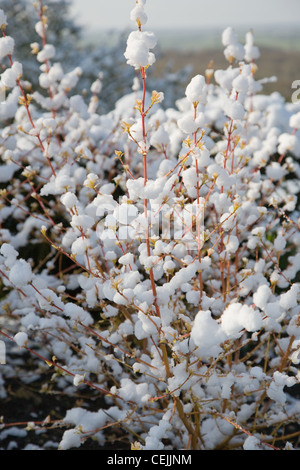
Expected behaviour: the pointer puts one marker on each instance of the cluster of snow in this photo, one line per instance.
(11, 75)
(139, 43)
(179, 228)
(7, 45)
(233, 49)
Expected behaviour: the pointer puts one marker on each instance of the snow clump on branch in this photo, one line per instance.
(153, 252)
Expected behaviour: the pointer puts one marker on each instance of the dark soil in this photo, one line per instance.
(38, 403)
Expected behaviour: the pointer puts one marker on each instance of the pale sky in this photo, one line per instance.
(187, 14)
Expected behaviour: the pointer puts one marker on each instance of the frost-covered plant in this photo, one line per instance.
(152, 255)
(24, 15)
(103, 59)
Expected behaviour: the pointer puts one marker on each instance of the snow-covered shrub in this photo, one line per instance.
(101, 61)
(152, 254)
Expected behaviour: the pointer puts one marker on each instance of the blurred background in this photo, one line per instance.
(93, 33)
(189, 31)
